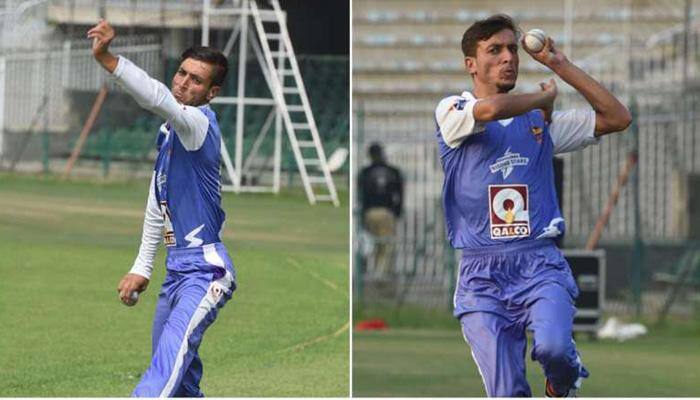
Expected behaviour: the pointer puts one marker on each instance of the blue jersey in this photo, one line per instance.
(499, 179)
(188, 187)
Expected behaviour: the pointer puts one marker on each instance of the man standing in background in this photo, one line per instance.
(381, 197)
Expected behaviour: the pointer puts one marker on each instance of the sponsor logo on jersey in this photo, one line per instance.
(507, 162)
(551, 230)
(459, 104)
(161, 178)
(505, 122)
(508, 206)
(168, 232)
(537, 132)
(192, 239)
(216, 292)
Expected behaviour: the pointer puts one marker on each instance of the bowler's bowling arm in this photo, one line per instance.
(611, 114)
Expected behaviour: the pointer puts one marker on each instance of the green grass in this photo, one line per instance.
(411, 362)
(65, 245)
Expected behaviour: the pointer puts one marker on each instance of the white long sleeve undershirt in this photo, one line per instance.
(151, 237)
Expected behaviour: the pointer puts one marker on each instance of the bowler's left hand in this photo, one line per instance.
(131, 283)
(547, 111)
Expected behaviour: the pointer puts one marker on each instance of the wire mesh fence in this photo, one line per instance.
(48, 88)
(424, 264)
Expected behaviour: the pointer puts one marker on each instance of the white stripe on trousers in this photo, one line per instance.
(483, 379)
(208, 302)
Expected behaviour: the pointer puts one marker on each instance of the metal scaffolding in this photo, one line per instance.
(291, 109)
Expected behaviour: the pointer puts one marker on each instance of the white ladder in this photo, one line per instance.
(290, 95)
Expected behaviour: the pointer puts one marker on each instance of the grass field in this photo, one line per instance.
(64, 247)
(436, 362)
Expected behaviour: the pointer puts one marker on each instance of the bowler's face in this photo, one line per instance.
(496, 61)
(192, 83)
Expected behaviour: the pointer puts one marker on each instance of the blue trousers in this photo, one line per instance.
(198, 283)
(502, 293)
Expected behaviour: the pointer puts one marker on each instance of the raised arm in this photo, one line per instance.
(611, 114)
(189, 122)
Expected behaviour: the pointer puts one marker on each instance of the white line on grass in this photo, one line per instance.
(303, 345)
(331, 285)
(316, 276)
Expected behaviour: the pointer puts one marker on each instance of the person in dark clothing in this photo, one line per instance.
(381, 196)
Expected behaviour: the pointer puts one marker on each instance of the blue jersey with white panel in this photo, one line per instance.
(499, 179)
(188, 187)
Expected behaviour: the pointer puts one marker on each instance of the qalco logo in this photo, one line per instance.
(508, 206)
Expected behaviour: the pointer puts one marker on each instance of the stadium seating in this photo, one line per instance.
(409, 51)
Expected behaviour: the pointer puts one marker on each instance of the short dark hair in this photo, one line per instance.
(211, 56)
(483, 30)
(376, 152)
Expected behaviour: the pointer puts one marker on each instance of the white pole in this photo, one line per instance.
(2, 105)
(278, 150)
(568, 28)
(278, 119)
(240, 109)
(628, 47)
(205, 22)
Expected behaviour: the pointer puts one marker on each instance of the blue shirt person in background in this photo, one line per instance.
(501, 209)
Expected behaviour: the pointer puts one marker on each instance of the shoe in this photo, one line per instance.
(549, 391)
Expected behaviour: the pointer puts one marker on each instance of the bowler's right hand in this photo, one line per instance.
(131, 283)
(102, 35)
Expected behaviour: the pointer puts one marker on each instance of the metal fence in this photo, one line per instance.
(47, 92)
(665, 135)
(647, 53)
(424, 264)
(36, 82)
(421, 260)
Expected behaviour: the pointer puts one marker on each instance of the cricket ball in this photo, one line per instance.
(534, 40)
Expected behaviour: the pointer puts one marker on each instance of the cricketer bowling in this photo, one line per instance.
(501, 207)
(184, 208)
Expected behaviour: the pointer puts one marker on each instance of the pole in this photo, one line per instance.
(358, 277)
(96, 107)
(46, 148)
(627, 170)
(568, 28)
(205, 22)
(2, 108)
(240, 108)
(638, 250)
